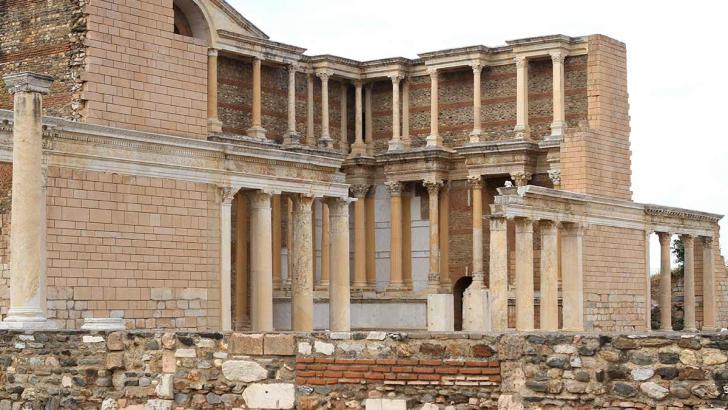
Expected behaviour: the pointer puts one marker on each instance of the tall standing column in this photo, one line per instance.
(292, 136)
(242, 231)
(477, 131)
(406, 142)
(709, 311)
(339, 292)
(368, 133)
(360, 242)
(226, 195)
(261, 259)
(572, 277)
(433, 278)
(371, 253)
(325, 141)
(498, 273)
(27, 239)
(559, 124)
(325, 246)
(302, 278)
(289, 242)
(522, 130)
(665, 282)
(395, 228)
(277, 240)
(395, 143)
(310, 137)
(524, 274)
(358, 147)
(213, 122)
(549, 307)
(257, 130)
(648, 282)
(689, 283)
(477, 189)
(344, 137)
(444, 238)
(407, 239)
(434, 139)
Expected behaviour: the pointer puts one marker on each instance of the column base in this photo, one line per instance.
(326, 142)
(358, 149)
(26, 322)
(557, 131)
(434, 141)
(103, 324)
(475, 136)
(256, 132)
(292, 138)
(395, 145)
(523, 133)
(214, 125)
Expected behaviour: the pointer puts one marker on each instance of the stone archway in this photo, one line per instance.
(457, 292)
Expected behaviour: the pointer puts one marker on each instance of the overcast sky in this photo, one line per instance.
(676, 56)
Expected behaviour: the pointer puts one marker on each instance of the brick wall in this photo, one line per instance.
(614, 279)
(142, 248)
(139, 74)
(44, 37)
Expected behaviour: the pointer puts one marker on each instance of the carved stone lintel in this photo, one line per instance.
(394, 188)
(521, 178)
(433, 186)
(359, 190)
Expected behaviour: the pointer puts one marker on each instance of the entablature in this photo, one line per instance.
(417, 164)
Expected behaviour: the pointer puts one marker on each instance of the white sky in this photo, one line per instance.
(676, 56)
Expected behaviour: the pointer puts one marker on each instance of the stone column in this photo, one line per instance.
(407, 239)
(572, 277)
(406, 142)
(242, 231)
(522, 130)
(433, 278)
(444, 237)
(395, 143)
(213, 122)
(325, 141)
(277, 240)
(371, 253)
(289, 242)
(395, 228)
(434, 139)
(665, 282)
(339, 292)
(498, 273)
(360, 242)
(524, 274)
(292, 136)
(648, 282)
(477, 189)
(325, 246)
(709, 309)
(261, 259)
(302, 278)
(358, 147)
(226, 195)
(27, 239)
(256, 130)
(549, 307)
(368, 134)
(559, 124)
(689, 283)
(344, 137)
(477, 131)
(310, 137)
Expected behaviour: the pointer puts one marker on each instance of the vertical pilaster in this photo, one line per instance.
(277, 240)
(325, 141)
(665, 282)
(213, 121)
(559, 123)
(27, 238)
(302, 278)
(498, 273)
(395, 143)
(524, 274)
(344, 137)
(360, 242)
(477, 131)
(549, 307)
(406, 142)
(226, 195)
(395, 227)
(709, 308)
(242, 231)
(261, 260)
(572, 276)
(292, 136)
(358, 147)
(522, 130)
(310, 137)
(371, 253)
(434, 139)
(339, 292)
(257, 130)
(433, 278)
(689, 283)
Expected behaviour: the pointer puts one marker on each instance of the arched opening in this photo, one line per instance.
(458, 291)
(190, 21)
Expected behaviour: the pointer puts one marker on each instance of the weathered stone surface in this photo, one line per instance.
(680, 390)
(624, 389)
(243, 371)
(667, 373)
(165, 388)
(642, 373)
(324, 348)
(654, 390)
(713, 357)
(115, 341)
(706, 391)
(246, 344)
(689, 358)
(269, 396)
(669, 357)
(279, 345)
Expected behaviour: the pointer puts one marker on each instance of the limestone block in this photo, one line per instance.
(243, 371)
(157, 404)
(246, 344)
(440, 313)
(269, 396)
(103, 323)
(165, 388)
(304, 348)
(386, 404)
(185, 353)
(476, 310)
(93, 339)
(324, 348)
(279, 345)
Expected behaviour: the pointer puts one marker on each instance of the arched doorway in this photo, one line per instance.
(457, 292)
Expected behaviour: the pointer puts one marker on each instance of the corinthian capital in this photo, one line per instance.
(477, 67)
(433, 186)
(558, 56)
(359, 190)
(324, 75)
(394, 187)
(226, 194)
(521, 178)
(475, 181)
(432, 72)
(520, 61)
(396, 78)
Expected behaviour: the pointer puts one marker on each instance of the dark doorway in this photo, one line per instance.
(457, 292)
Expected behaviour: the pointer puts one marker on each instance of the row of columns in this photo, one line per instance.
(689, 303)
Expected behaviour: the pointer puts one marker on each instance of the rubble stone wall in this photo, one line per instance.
(156, 370)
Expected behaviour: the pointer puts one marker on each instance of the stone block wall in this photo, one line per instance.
(45, 37)
(156, 370)
(140, 75)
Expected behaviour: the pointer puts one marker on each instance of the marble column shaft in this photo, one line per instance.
(559, 123)
(477, 189)
(226, 197)
(395, 227)
(522, 128)
(665, 282)
(292, 136)
(572, 277)
(406, 142)
(261, 262)
(498, 273)
(325, 140)
(256, 129)
(344, 120)
(242, 231)
(434, 139)
(325, 246)
(477, 131)
(310, 137)
(371, 243)
(302, 278)
(277, 240)
(524, 274)
(213, 122)
(395, 143)
(709, 308)
(358, 147)
(433, 279)
(689, 283)
(339, 291)
(360, 242)
(549, 307)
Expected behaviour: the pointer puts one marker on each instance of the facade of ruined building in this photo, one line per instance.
(198, 175)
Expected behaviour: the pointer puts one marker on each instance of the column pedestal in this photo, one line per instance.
(498, 273)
